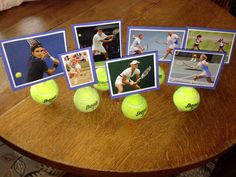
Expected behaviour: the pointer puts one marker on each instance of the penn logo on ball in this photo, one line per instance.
(134, 107)
(191, 106)
(86, 99)
(186, 98)
(102, 84)
(92, 106)
(44, 92)
(141, 113)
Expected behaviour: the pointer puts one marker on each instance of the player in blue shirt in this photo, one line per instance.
(206, 73)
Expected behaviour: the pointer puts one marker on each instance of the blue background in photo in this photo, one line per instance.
(150, 38)
(18, 53)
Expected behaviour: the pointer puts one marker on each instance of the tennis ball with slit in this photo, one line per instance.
(102, 84)
(186, 98)
(44, 92)
(18, 75)
(86, 99)
(134, 107)
(161, 75)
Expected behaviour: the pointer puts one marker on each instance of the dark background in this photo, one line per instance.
(86, 38)
(116, 68)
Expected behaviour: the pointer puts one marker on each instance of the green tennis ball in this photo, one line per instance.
(134, 107)
(161, 75)
(186, 98)
(44, 92)
(18, 75)
(102, 84)
(86, 99)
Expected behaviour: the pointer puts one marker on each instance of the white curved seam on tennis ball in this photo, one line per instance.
(45, 94)
(38, 93)
(94, 94)
(138, 106)
(188, 99)
(98, 99)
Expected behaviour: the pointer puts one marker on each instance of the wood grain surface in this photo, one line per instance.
(104, 143)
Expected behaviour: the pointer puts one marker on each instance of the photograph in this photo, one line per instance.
(132, 74)
(216, 40)
(79, 68)
(32, 59)
(150, 39)
(196, 68)
(103, 36)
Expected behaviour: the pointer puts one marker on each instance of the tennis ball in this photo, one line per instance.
(86, 99)
(18, 75)
(102, 84)
(186, 98)
(134, 106)
(44, 92)
(161, 75)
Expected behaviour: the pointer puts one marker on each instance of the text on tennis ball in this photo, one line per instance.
(49, 100)
(141, 113)
(191, 106)
(92, 106)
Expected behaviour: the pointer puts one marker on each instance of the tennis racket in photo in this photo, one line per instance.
(115, 32)
(145, 47)
(181, 63)
(144, 74)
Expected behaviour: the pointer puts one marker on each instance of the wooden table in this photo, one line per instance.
(104, 142)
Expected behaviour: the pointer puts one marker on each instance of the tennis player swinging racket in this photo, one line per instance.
(124, 77)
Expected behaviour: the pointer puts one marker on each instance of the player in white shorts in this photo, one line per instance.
(171, 41)
(221, 45)
(73, 68)
(136, 46)
(98, 39)
(124, 77)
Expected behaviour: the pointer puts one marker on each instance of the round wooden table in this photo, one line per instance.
(104, 143)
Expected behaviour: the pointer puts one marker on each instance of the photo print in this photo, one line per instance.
(195, 68)
(211, 40)
(148, 39)
(132, 74)
(32, 59)
(104, 37)
(79, 68)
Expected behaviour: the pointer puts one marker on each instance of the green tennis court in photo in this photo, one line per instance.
(116, 68)
(209, 41)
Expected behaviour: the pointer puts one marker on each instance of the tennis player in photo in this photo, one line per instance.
(79, 68)
(132, 74)
(141, 39)
(210, 39)
(204, 72)
(103, 36)
(32, 59)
